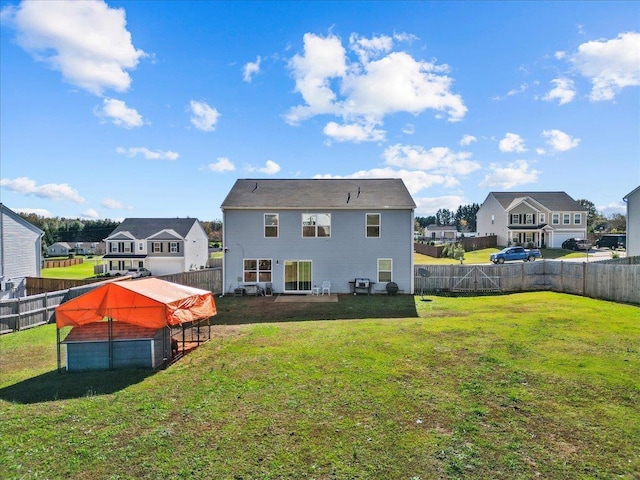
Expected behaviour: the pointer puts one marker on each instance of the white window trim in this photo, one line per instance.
(315, 225)
(173, 247)
(276, 226)
(378, 268)
(555, 219)
(566, 219)
(578, 217)
(366, 225)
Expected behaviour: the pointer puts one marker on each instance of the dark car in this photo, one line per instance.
(576, 244)
(612, 241)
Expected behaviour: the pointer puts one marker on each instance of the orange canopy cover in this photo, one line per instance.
(148, 302)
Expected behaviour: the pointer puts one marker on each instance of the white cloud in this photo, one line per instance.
(467, 140)
(119, 114)
(415, 180)
(559, 141)
(148, 154)
(353, 132)
(222, 164)
(512, 142)
(90, 213)
(439, 159)
(203, 117)
(250, 69)
(564, 91)
(430, 205)
(270, 168)
(51, 191)
(86, 41)
(409, 129)
(610, 65)
(111, 204)
(507, 177)
(363, 91)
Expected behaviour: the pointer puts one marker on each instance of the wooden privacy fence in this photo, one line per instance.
(607, 280)
(27, 312)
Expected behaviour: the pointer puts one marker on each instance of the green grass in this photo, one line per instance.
(79, 271)
(534, 385)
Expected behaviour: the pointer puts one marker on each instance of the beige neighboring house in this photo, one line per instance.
(632, 200)
(541, 219)
(441, 233)
(161, 245)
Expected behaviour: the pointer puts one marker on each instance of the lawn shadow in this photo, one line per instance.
(52, 386)
(247, 310)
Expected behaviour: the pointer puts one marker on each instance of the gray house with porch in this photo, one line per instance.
(290, 236)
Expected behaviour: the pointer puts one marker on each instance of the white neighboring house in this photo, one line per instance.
(161, 245)
(542, 219)
(20, 253)
(632, 200)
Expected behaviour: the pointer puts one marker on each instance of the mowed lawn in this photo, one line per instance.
(531, 385)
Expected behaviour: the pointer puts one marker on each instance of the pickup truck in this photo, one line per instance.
(515, 253)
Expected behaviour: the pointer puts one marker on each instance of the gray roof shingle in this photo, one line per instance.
(554, 201)
(383, 193)
(145, 227)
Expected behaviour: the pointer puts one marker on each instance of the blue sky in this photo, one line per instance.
(154, 109)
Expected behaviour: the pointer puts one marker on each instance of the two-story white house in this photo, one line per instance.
(295, 234)
(162, 245)
(20, 253)
(541, 219)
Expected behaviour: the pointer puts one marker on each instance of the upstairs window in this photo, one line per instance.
(555, 219)
(528, 219)
(271, 225)
(156, 247)
(542, 218)
(173, 247)
(373, 225)
(515, 219)
(316, 224)
(566, 218)
(577, 219)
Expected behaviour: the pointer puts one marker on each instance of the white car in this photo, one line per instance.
(138, 272)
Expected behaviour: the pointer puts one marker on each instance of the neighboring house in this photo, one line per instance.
(632, 200)
(541, 219)
(441, 233)
(20, 253)
(161, 245)
(297, 234)
(80, 248)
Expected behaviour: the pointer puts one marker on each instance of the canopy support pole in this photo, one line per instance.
(110, 330)
(58, 349)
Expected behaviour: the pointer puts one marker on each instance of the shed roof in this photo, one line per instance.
(382, 193)
(149, 302)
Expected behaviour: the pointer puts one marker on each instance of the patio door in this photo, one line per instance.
(297, 276)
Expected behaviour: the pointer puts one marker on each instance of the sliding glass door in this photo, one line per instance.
(297, 276)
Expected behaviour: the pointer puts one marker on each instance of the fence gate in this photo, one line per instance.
(476, 280)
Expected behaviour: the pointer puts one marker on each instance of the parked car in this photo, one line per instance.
(515, 253)
(612, 241)
(576, 244)
(138, 272)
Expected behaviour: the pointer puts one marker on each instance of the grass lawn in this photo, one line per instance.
(74, 272)
(532, 385)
